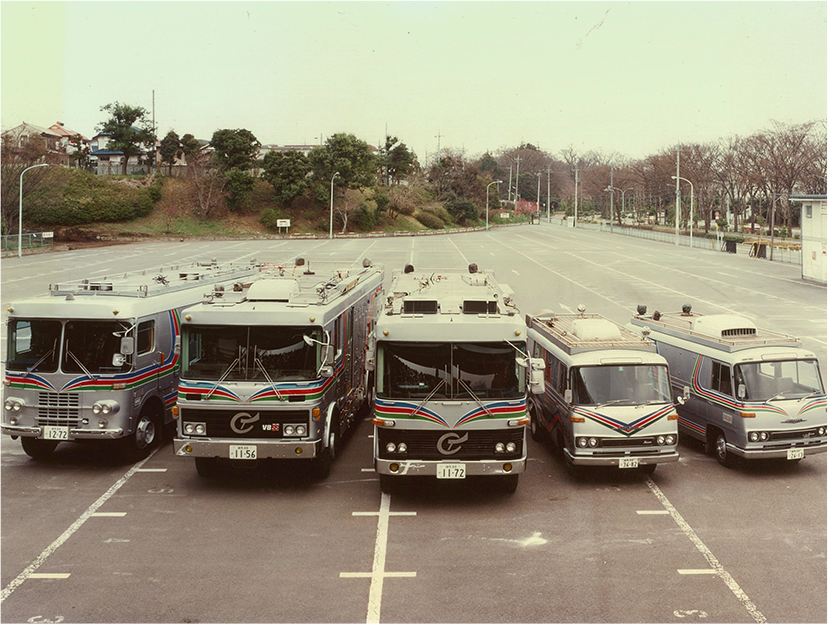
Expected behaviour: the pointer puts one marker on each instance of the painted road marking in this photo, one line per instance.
(30, 570)
(152, 470)
(378, 573)
(705, 551)
(390, 513)
(702, 571)
(108, 514)
(46, 575)
(368, 470)
(653, 512)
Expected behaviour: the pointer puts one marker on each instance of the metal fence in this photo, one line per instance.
(34, 239)
(783, 250)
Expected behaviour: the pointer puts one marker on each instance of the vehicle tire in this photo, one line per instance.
(207, 467)
(387, 483)
(508, 483)
(534, 426)
(328, 454)
(648, 469)
(38, 449)
(146, 435)
(726, 459)
(575, 472)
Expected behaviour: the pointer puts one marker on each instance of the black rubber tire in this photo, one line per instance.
(726, 459)
(37, 448)
(147, 434)
(648, 469)
(534, 426)
(387, 483)
(508, 483)
(322, 464)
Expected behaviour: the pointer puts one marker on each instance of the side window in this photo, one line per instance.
(720, 378)
(561, 378)
(146, 337)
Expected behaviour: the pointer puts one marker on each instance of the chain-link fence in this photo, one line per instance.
(33, 239)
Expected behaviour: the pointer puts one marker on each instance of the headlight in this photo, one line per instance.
(510, 447)
(189, 428)
(403, 447)
(200, 429)
(390, 447)
(300, 430)
(660, 440)
(500, 447)
(670, 439)
(96, 409)
(822, 431)
(583, 442)
(106, 408)
(753, 436)
(17, 406)
(289, 430)
(763, 436)
(593, 442)
(8, 405)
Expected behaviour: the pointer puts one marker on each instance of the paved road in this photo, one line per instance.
(88, 538)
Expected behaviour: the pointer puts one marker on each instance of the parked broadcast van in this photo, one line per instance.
(607, 399)
(97, 360)
(753, 393)
(278, 368)
(452, 379)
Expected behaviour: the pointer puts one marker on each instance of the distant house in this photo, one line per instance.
(20, 135)
(814, 227)
(110, 162)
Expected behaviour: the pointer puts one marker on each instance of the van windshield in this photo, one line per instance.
(240, 353)
(458, 371)
(628, 384)
(768, 381)
(34, 345)
(90, 346)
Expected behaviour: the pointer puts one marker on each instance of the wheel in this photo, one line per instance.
(147, 433)
(508, 483)
(726, 459)
(38, 449)
(387, 483)
(575, 472)
(207, 467)
(648, 469)
(328, 454)
(534, 426)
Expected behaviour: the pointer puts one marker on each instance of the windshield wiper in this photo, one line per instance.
(615, 402)
(258, 362)
(36, 364)
(78, 362)
(781, 395)
(428, 398)
(474, 396)
(223, 375)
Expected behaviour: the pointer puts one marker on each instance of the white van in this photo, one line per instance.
(753, 393)
(607, 399)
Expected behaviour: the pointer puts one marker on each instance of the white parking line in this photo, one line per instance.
(378, 573)
(702, 571)
(152, 470)
(715, 566)
(655, 512)
(108, 514)
(46, 575)
(29, 572)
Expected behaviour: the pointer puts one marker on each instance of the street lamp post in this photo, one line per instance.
(691, 206)
(624, 205)
(20, 216)
(538, 202)
(332, 181)
(487, 201)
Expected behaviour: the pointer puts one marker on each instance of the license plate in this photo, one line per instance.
(796, 453)
(451, 471)
(628, 462)
(55, 433)
(242, 451)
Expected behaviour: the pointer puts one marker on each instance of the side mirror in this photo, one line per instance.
(326, 371)
(741, 391)
(536, 368)
(127, 345)
(685, 395)
(568, 396)
(118, 360)
(327, 354)
(177, 347)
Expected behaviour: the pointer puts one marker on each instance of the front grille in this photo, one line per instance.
(58, 409)
(626, 442)
(423, 444)
(249, 424)
(799, 434)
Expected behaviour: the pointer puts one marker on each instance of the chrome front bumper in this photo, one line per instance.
(74, 434)
(265, 449)
(780, 453)
(429, 468)
(598, 460)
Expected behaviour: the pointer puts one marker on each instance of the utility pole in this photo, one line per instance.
(538, 202)
(576, 196)
(548, 198)
(678, 196)
(612, 199)
(517, 183)
(438, 143)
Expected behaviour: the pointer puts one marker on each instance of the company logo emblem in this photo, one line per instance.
(240, 422)
(449, 444)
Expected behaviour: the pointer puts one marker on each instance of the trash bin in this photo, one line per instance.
(730, 246)
(758, 250)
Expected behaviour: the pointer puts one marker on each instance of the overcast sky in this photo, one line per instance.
(631, 78)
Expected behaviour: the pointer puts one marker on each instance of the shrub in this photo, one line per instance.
(439, 211)
(429, 219)
(364, 217)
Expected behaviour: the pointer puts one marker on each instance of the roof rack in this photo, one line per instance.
(581, 332)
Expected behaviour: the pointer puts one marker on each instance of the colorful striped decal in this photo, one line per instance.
(759, 408)
(626, 429)
(403, 409)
